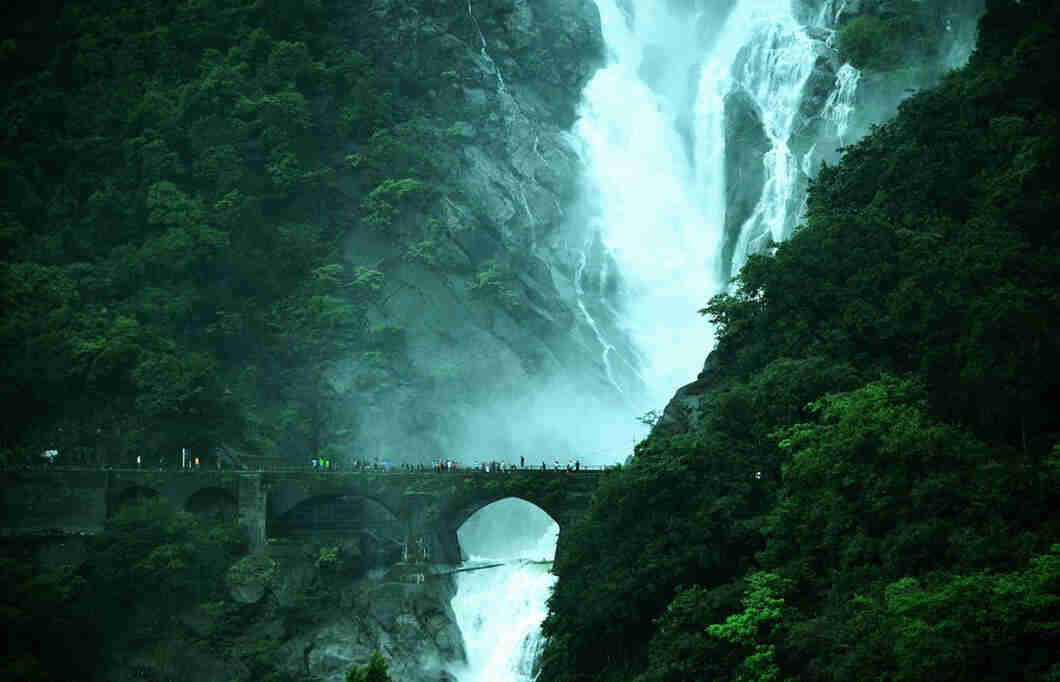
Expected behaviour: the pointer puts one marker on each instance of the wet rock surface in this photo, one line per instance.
(288, 615)
(746, 143)
(491, 313)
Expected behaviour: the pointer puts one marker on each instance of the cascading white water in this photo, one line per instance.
(775, 61)
(841, 100)
(659, 197)
(642, 185)
(500, 609)
(485, 53)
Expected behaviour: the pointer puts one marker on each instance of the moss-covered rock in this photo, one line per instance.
(249, 577)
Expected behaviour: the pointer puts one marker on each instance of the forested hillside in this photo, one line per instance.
(164, 232)
(870, 489)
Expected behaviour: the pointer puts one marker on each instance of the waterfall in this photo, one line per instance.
(579, 289)
(641, 183)
(651, 128)
(485, 54)
(499, 610)
(651, 136)
(841, 100)
(775, 66)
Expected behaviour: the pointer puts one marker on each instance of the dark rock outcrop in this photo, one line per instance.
(745, 145)
(492, 313)
(684, 412)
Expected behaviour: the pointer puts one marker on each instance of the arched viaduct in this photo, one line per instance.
(426, 507)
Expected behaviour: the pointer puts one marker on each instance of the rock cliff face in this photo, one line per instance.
(291, 615)
(488, 305)
(745, 143)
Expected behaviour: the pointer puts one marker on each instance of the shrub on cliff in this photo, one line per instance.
(375, 671)
(162, 557)
(905, 36)
(867, 43)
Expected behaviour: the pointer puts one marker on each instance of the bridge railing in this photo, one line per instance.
(584, 468)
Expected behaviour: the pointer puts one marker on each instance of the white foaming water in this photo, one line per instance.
(841, 100)
(651, 134)
(499, 610)
(641, 185)
(776, 63)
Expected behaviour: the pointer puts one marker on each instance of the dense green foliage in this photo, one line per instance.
(903, 34)
(179, 177)
(874, 495)
(153, 599)
(40, 610)
(148, 564)
(170, 558)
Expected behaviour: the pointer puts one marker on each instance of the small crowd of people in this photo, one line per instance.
(189, 462)
(494, 466)
(439, 466)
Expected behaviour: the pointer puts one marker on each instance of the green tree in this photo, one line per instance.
(375, 671)
(992, 626)
(41, 608)
(154, 559)
(755, 628)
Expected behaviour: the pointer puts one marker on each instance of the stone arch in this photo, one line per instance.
(363, 525)
(562, 495)
(282, 499)
(213, 503)
(518, 531)
(130, 495)
(459, 516)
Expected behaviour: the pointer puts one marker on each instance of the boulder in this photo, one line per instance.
(684, 412)
(250, 577)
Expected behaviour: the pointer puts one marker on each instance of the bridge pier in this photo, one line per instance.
(252, 506)
(427, 531)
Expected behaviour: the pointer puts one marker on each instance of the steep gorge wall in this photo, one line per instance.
(488, 309)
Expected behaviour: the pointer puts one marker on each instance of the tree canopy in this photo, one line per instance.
(170, 235)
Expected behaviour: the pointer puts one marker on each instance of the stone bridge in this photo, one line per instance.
(418, 511)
